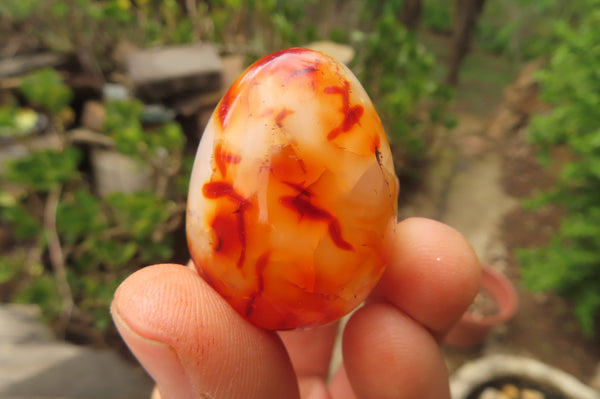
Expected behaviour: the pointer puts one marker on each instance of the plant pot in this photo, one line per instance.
(495, 371)
(472, 329)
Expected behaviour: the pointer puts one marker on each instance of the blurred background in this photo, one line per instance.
(492, 109)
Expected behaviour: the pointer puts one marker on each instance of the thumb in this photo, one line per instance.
(193, 344)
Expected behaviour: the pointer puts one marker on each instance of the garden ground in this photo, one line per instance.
(478, 178)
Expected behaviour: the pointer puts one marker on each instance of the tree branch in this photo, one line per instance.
(56, 255)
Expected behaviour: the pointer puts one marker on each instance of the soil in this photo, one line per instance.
(515, 388)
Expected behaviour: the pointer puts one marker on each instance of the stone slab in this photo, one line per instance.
(161, 73)
(62, 370)
(339, 52)
(22, 64)
(35, 365)
(19, 325)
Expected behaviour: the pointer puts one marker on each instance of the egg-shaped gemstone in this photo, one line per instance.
(292, 199)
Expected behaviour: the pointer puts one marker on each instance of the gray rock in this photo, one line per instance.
(115, 91)
(163, 73)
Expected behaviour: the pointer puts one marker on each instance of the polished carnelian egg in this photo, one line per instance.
(293, 196)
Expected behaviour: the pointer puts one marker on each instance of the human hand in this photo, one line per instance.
(194, 345)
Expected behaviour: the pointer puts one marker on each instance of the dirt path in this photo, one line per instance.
(475, 185)
(464, 190)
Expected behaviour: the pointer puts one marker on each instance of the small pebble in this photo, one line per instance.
(510, 391)
(532, 394)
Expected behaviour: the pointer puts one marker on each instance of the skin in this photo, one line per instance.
(195, 345)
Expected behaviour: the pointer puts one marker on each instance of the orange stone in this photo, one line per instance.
(293, 197)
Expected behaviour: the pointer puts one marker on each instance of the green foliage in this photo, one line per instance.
(47, 169)
(437, 15)
(101, 240)
(268, 25)
(41, 290)
(497, 39)
(8, 120)
(25, 225)
(524, 29)
(397, 71)
(138, 214)
(18, 122)
(570, 263)
(46, 89)
(124, 124)
(17, 10)
(169, 24)
(10, 266)
(80, 215)
(99, 291)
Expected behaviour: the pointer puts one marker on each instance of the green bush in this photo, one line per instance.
(400, 82)
(46, 89)
(46, 200)
(570, 263)
(524, 29)
(18, 11)
(437, 15)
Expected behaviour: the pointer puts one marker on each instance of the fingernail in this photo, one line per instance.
(158, 358)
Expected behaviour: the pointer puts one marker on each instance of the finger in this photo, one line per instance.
(433, 274)
(313, 388)
(311, 350)
(340, 385)
(193, 343)
(387, 354)
(390, 345)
